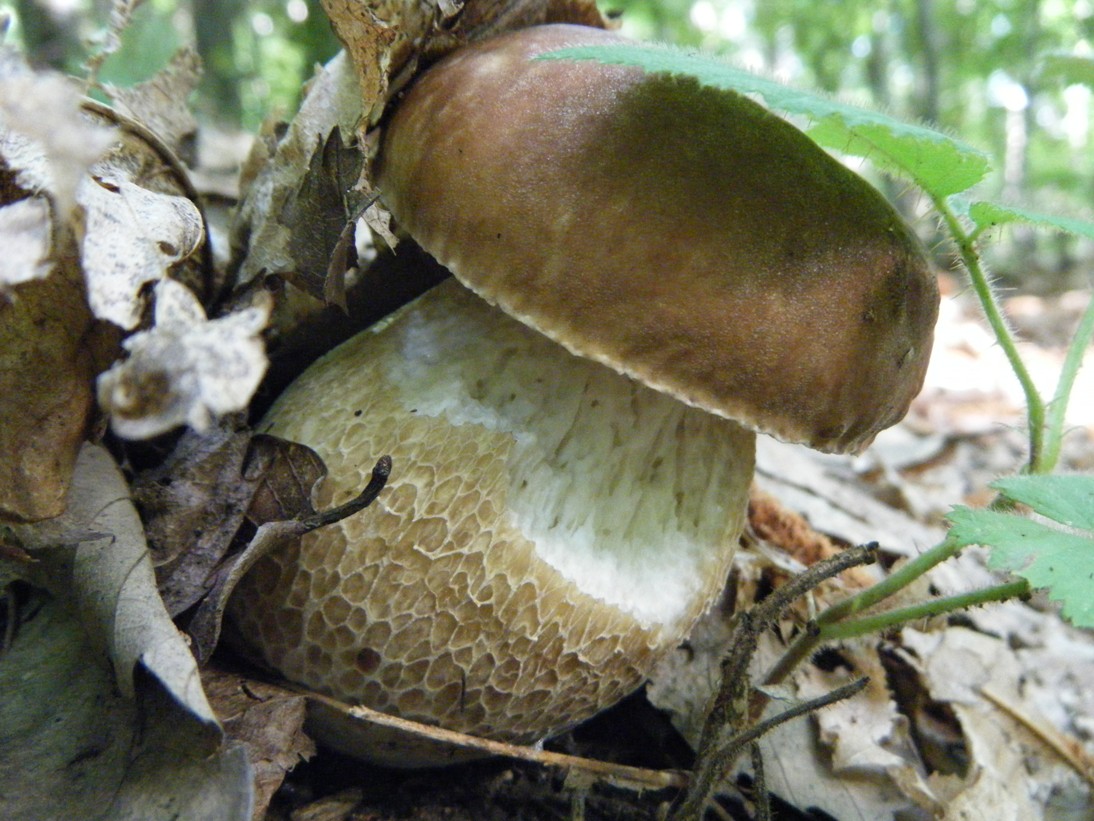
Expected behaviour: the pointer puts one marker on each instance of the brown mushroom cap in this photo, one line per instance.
(683, 236)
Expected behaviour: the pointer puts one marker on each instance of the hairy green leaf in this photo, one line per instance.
(940, 164)
(1068, 500)
(1060, 560)
(991, 215)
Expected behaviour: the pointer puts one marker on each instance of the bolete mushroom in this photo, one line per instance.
(659, 270)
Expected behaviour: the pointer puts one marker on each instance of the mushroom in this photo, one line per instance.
(648, 271)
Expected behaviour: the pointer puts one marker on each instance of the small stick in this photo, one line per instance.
(759, 784)
(720, 760)
(618, 775)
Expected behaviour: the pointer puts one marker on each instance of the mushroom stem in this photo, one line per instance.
(551, 529)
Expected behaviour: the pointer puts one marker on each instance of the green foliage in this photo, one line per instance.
(985, 215)
(1047, 556)
(943, 166)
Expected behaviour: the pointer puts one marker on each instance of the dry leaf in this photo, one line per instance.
(192, 505)
(1012, 773)
(268, 721)
(47, 368)
(133, 237)
(316, 215)
(135, 741)
(160, 103)
(287, 474)
(25, 237)
(867, 735)
(187, 369)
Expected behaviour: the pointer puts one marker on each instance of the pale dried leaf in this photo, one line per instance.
(797, 772)
(810, 484)
(133, 237)
(1012, 774)
(867, 734)
(25, 238)
(43, 135)
(186, 369)
(160, 103)
(114, 587)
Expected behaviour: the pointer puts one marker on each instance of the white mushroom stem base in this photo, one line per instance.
(549, 531)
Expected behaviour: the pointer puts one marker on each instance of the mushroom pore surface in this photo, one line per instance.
(550, 529)
(682, 235)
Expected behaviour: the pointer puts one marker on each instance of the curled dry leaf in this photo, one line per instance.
(320, 223)
(137, 741)
(187, 369)
(159, 104)
(133, 237)
(260, 234)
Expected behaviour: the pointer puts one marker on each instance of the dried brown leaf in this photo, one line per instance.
(268, 721)
(316, 217)
(192, 505)
(187, 369)
(370, 33)
(47, 369)
(160, 103)
(287, 474)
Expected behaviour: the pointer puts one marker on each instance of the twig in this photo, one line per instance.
(736, 702)
(759, 784)
(619, 775)
(722, 759)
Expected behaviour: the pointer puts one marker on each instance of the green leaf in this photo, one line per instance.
(1059, 560)
(991, 215)
(1068, 500)
(938, 163)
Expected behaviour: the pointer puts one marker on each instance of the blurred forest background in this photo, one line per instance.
(1014, 77)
